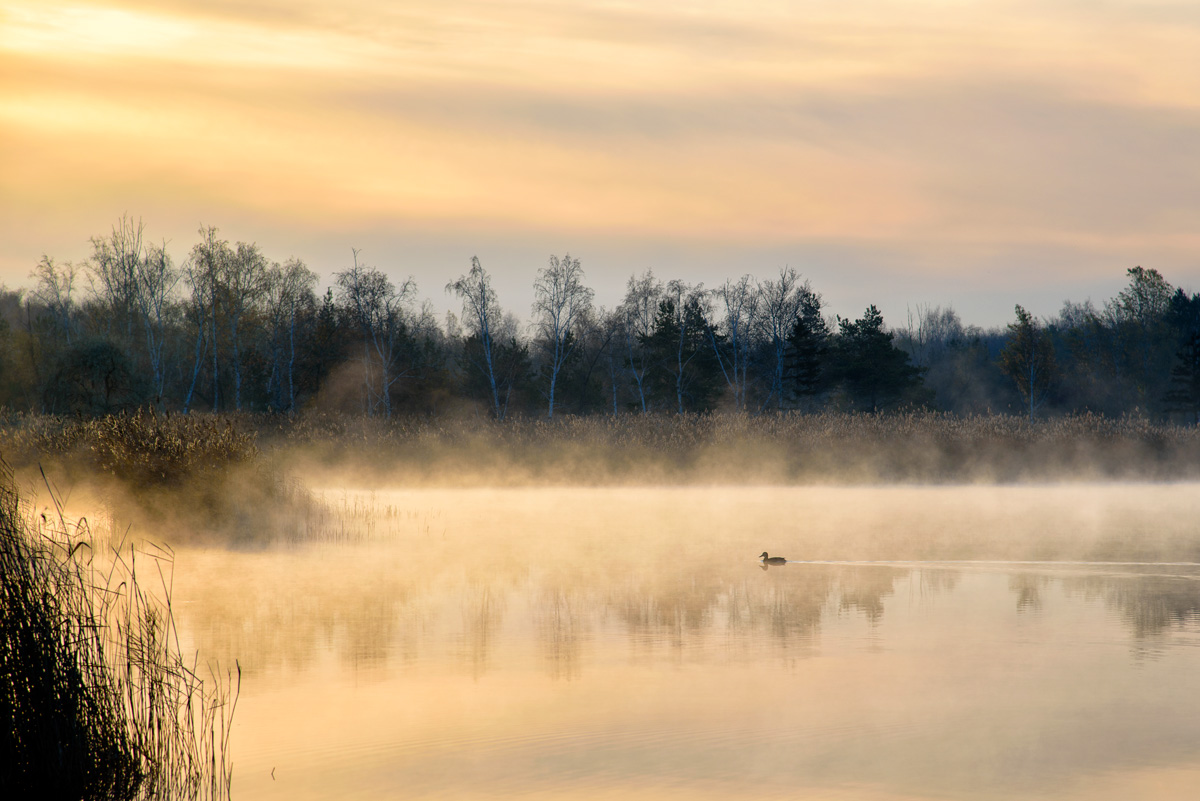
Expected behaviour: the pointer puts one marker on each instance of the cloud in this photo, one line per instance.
(920, 135)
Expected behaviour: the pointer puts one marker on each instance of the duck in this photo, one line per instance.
(772, 560)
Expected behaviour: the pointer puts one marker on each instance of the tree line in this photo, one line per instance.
(229, 329)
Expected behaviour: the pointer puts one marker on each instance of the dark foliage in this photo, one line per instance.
(95, 378)
(874, 373)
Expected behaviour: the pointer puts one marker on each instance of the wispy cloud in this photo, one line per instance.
(999, 124)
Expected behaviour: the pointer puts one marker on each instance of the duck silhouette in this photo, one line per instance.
(772, 560)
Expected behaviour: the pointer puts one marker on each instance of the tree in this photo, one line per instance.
(1183, 395)
(638, 312)
(134, 288)
(243, 287)
(55, 287)
(204, 273)
(377, 308)
(113, 270)
(778, 304)
(511, 364)
(679, 347)
(930, 332)
(560, 300)
(1145, 347)
(740, 302)
(288, 288)
(595, 357)
(1028, 359)
(808, 344)
(874, 372)
(94, 378)
(156, 280)
(482, 314)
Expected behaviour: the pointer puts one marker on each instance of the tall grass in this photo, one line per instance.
(732, 448)
(143, 447)
(195, 476)
(96, 697)
(237, 473)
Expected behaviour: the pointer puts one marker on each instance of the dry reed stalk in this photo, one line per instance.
(96, 699)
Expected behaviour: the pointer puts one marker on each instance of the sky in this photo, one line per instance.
(918, 153)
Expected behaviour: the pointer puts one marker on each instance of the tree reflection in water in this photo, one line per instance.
(280, 611)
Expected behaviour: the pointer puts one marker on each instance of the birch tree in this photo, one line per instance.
(779, 302)
(242, 289)
(287, 287)
(377, 306)
(482, 315)
(156, 281)
(205, 275)
(739, 299)
(638, 312)
(113, 272)
(134, 285)
(560, 300)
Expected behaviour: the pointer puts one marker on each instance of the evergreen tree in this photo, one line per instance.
(687, 376)
(873, 371)
(1183, 395)
(808, 344)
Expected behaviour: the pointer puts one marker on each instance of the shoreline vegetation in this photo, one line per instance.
(97, 699)
(234, 468)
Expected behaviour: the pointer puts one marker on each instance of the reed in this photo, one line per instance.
(829, 447)
(196, 476)
(143, 447)
(96, 697)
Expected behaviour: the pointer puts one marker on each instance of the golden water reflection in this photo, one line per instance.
(595, 643)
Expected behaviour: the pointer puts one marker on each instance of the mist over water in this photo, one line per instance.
(603, 642)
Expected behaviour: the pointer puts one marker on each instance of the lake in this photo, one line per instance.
(605, 643)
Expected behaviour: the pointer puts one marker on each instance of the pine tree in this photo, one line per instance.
(874, 372)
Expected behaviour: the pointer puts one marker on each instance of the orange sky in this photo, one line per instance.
(978, 154)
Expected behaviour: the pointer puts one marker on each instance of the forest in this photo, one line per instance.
(230, 329)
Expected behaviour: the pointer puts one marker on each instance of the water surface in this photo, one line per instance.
(625, 643)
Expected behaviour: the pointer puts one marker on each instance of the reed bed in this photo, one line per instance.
(96, 697)
(916, 446)
(142, 447)
(237, 474)
(196, 476)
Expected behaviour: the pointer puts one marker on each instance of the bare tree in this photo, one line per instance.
(205, 276)
(740, 302)
(779, 303)
(559, 301)
(197, 311)
(156, 280)
(245, 281)
(134, 285)
(55, 286)
(113, 272)
(481, 312)
(287, 286)
(378, 308)
(930, 331)
(638, 310)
